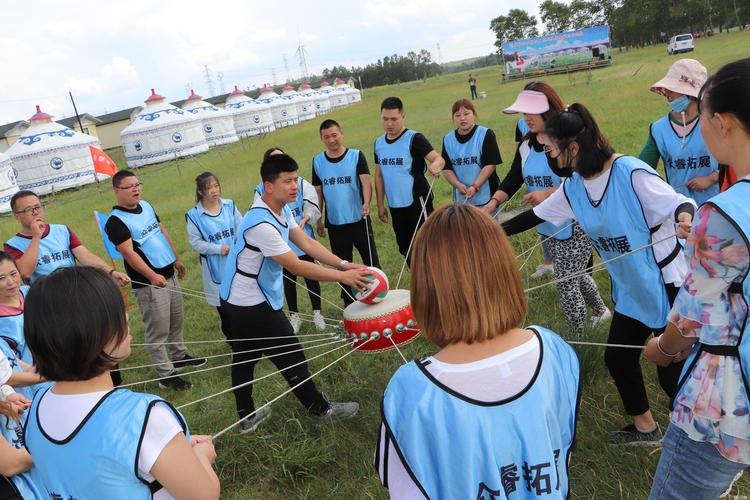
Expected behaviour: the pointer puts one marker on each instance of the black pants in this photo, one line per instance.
(290, 288)
(345, 238)
(473, 89)
(405, 221)
(224, 321)
(624, 364)
(257, 323)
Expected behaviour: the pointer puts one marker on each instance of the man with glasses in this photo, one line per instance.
(40, 248)
(151, 261)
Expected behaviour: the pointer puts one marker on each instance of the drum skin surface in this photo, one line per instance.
(377, 327)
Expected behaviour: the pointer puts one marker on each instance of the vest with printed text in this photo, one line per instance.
(466, 162)
(216, 229)
(395, 166)
(12, 327)
(341, 188)
(54, 250)
(297, 207)
(145, 230)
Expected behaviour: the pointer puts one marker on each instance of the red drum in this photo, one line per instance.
(383, 324)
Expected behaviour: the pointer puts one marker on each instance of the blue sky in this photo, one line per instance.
(109, 54)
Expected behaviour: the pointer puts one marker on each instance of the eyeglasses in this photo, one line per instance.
(138, 185)
(32, 210)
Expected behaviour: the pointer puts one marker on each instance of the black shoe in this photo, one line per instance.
(175, 383)
(631, 436)
(187, 361)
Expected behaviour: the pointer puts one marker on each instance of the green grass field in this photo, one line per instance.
(287, 458)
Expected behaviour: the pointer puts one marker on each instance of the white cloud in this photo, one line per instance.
(120, 72)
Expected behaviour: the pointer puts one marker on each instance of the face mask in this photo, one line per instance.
(680, 104)
(556, 169)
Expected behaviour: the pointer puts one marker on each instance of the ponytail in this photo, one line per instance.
(576, 124)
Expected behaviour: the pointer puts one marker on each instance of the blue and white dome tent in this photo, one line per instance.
(339, 97)
(250, 117)
(162, 132)
(8, 186)
(305, 105)
(353, 93)
(284, 111)
(322, 103)
(326, 90)
(218, 124)
(51, 157)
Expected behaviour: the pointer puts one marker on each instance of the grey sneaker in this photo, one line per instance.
(336, 412)
(252, 423)
(631, 436)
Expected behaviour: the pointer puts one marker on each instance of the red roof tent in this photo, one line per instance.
(39, 115)
(154, 97)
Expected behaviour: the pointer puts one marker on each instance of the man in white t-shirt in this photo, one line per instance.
(252, 295)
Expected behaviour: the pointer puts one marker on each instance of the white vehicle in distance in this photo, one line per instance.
(680, 43)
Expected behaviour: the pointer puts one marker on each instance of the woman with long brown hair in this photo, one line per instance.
(465, 422)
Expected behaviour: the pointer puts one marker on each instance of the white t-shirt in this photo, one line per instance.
(5, 369)
(61, 414)
(491, 379)
(244, 290)
(659, 203)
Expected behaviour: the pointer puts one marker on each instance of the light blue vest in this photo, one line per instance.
(684, 160)
(13, 359)
(341, 188)
(100, 459)
(616, 225)
(216, 229)
(733, 204)
(54, 250)
(146, 232)
(269, 275)
(537, 176)
(395, 166)
(466, 161)
(455, 447)
(297, 208)
(12, 327)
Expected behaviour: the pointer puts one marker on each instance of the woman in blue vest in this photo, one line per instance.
(566, 248)
(631, 215)
(676, 137)
(306, 211)
(471, 156)
(76, 326)
(211, 227)
(15, 462)
(707, 445)
(488, 415)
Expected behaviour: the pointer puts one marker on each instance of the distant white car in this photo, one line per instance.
(680, 43)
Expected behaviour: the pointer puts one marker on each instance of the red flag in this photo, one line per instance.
(103, 163)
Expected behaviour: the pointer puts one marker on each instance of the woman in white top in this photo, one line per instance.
(211, 226)
(77, 329)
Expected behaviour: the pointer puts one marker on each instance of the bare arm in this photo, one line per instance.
(27, 263)
(366, 182)
(138, 264)
(13, 461)
(354, 275)
(437, 163)
(186, 471)
(24, 379)
(380, 195)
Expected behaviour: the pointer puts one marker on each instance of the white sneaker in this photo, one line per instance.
(252, 423)
(542, 270)
(601, 318)
(295, 321)
(320, 323)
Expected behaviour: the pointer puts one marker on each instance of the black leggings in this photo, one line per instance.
(624, 364)
(256, 323)
(290, 288)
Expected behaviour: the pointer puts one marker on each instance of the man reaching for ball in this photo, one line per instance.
(252, 295)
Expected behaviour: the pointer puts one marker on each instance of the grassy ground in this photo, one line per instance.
(287, 458)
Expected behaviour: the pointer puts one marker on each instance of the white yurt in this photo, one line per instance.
(305, 105)
(355, 95)
(51, 157)
(284, 111)
(218, 124)
(326, 90)
(339, 97)
(162, 132)
(250, 117)
(322, 104)
(8, 186)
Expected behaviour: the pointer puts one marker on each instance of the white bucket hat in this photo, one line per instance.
(685, 76)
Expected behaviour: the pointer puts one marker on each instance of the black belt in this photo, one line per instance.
(669, 258)
(247, 275)
(721, 350)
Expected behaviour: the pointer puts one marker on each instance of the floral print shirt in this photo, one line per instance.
(713, 404)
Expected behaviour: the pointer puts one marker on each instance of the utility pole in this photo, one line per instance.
(302, 56)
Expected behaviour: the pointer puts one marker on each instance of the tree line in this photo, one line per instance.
(631, 22)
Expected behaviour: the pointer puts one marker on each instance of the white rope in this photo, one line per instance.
(541, 241)
(367, 234)
(347, 292)
(184, 374)
(602, 344)
(180, 290)
(397, 349)
(229, 340)
(414, 235)
(313, 293)
(600, 266)
(251, 382)
(506, 204)
(218, 434)
(306, 343)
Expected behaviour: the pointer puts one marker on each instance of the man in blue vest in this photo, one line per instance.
(342, 180)
(401, 155)
(40, 248)
(150, 261)
(252, 295)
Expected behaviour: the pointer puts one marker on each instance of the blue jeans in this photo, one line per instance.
(691, 469)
